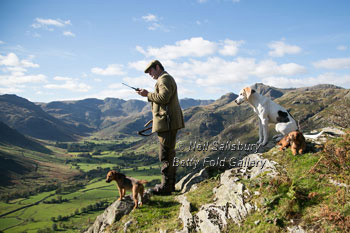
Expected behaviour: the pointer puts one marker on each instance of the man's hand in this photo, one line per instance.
(142, 92)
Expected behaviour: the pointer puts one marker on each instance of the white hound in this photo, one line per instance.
(268, 111)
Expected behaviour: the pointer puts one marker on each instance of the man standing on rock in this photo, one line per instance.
(167, 120)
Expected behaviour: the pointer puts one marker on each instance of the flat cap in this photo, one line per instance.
(152, 64)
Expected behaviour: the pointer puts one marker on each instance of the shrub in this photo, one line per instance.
(336, 157)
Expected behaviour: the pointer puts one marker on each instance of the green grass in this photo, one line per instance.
(38, 197)
(300, 192)
(203, 194)
(8, 222)
(129, 139)
(91, 166)
(159, 213)
(6, 207)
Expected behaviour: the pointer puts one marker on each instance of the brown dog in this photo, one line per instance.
(127, 183)
(284, 142)
(295, 140)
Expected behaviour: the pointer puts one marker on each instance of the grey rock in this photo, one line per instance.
(179, 185)
(231, 197)
(195, 179)
(265, 165)
(211, 219)
(296, 229)
(114, 213)
(126, 225)
(185, 214)
(324, 132)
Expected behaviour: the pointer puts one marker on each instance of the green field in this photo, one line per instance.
(80, 206)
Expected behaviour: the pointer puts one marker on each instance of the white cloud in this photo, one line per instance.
(342, 48)
(9, 80)
(230, 47)
(153, 22)
(116, 90)
(1, 42)
(184, 92)
(27, 63)
(200, 22)
(271, 68)
(139, 65)
(150, 18)
(44, 23)
(113, 69)
(70, 84)
(333, 63)
(17, 69)
(116, 93)
(8, 90)
(280, 48)
(154, 26)
(68, 33)
(194, 47)
(216, 90)
(217, 71)
(60, 78)
(10, 60)
(327, 78)
(145, 82)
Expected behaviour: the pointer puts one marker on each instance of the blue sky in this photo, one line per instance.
(68, 50)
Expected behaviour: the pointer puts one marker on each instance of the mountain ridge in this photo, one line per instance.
(113, 117)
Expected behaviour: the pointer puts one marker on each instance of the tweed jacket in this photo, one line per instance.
(165, 100)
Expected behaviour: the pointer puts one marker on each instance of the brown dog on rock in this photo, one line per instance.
(295, 140)
(127, 183)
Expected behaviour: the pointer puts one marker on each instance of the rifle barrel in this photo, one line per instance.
(136, 89)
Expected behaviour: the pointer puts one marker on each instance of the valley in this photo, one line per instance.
(66, 190)
(54, 156)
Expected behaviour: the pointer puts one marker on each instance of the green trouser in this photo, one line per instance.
(167, 142)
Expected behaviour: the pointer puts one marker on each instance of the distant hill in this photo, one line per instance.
(11, 166)
(29, 119)
(109, 117)
(189, 102)
(206, 119)
(268, 91)
(10, 136)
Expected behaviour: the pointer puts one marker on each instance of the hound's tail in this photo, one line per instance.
(314, 136)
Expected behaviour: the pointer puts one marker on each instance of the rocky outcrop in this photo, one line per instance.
(320, 137)
(185, 214)
(185, 184)
(231, 198)
(113, 213)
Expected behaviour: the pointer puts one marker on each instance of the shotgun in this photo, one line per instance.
(135, 88)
